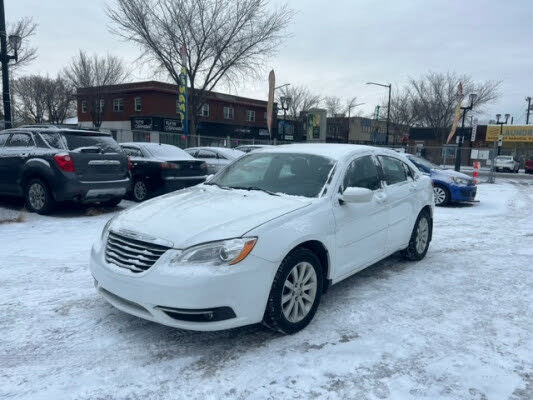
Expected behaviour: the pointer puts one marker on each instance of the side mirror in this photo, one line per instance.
(357, 195)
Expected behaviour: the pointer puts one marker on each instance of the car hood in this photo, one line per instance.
(450, 173)
(203, 214)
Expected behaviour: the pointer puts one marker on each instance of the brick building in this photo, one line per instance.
(141, 110)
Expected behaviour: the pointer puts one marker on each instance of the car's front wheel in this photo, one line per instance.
(295, 293)
(38, 197)
(441, 195)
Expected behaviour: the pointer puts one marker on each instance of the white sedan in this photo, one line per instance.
(264, 238)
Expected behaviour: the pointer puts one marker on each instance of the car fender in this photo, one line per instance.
(278, 237)
(37, 166)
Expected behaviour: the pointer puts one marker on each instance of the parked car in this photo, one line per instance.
(161, 168)
(529, 166)
(506, 163)
(251, 147)
(241, 249)
(215, 157)
(46, 166)
(448, 185)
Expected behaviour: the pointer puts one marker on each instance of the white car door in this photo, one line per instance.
(361, 228)
(400, 190)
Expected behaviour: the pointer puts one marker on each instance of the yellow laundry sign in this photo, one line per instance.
(511, 133)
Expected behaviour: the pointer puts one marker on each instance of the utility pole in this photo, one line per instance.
(528, 99)
(389, 86)
(15, 41)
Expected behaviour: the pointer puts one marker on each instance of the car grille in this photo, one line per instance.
(133, 254)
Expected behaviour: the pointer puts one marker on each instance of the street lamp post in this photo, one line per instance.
(461, 137)
(14, 41)
(389, 86)
(528, 99)
(285, 105)
(501, 123)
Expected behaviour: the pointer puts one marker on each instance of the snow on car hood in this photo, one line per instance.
(204, 213)
(450, 173)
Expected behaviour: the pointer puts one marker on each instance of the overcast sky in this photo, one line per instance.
(338, 45)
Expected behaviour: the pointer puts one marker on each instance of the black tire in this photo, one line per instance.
(38, 197)
(445, 198)
(274, 315)
(140, 191)
(112, 202)
(413, 252)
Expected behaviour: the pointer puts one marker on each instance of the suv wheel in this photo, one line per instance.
(140, 191)
(38, 197)
(295, 293)
(419, 242)
(441, 195)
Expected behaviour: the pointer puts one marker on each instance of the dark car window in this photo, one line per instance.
(3, 138)
(393, 169)
(363, 173)
(77, 142)
(132, 152)
(54, 140)
(206, 154)
(20, 140)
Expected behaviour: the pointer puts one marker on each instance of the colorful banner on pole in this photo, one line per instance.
(182, 93)
(270, 104)
(457, 117)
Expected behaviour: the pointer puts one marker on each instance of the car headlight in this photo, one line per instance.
(460, 181)
(224, 252)
(105, 231)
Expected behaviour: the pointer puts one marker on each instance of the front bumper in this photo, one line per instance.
(463, 193)
(218, 297)
(87, 192)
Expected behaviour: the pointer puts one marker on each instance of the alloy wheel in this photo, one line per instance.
(440, 195)
(299, 292)
(422, 235)
(140, 190)
(37, 196)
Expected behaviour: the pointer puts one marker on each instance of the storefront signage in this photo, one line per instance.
(141, 124)
(511, 133)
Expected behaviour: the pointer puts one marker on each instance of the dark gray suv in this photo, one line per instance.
(46, 166)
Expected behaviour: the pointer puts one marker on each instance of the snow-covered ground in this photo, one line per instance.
(457, 325)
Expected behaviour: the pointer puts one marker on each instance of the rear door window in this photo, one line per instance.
(393, 170)
(132, 151)
(206, 154)
(91, 143)
(20, 140)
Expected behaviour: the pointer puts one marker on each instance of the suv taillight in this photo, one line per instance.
(65, 162)
(130, 166)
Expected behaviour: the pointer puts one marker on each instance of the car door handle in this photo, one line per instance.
(22, 155)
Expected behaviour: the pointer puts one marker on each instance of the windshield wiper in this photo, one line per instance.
(216, 184)
(255, 188)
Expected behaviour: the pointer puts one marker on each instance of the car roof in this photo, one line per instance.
(80, 132)
(330, 150)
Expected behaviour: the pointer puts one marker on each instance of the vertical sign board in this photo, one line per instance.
(270, 104)
(474, 129)
(182, 99)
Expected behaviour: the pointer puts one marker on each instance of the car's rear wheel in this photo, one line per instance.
(38, 197)
(441, 195)
(140, 191)
(420, 237)
(295, 293)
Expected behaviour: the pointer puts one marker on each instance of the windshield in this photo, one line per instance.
(292, 174)
(77, 142)
(425, 163)
(167, 152)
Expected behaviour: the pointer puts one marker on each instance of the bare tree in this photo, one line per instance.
(59, 99)
(301, 99)
(218, 41)
(30, 95)
(333, 105)
(90, 74)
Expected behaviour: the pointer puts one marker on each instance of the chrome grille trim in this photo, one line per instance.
(133, 254)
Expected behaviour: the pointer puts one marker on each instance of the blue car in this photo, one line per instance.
(448, 185)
